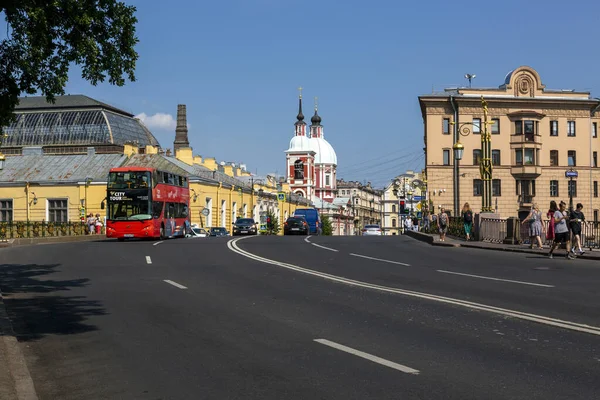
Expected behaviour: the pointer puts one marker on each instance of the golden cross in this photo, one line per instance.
(316, 103)
(300, 90)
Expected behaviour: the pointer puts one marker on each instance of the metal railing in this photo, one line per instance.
(36, 229)
(493, 230)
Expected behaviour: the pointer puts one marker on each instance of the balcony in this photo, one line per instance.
(526, 200)
(526, 171)
(527, 138)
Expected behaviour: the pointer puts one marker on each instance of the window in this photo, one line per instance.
(496, 187)
(476, 156)
(595, 188)
(596, 215)
(495, 157)
(553, 128)
(594, 129)
(529, 127)
(327, 180)
(6, 210)
(554, 188)
(446, 126)
(572, 158)
(518, 127)
(446, 157)
(572, 188)
(476, 125)
(393, 223)
(299, 170)
(554, 158)
(519, 157)
(393, 208)
(528, 158)
(570, 128)
(495, 126)
(477, 187)
(595, 159)
(58, 210)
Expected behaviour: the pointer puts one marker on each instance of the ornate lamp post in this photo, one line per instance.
(485, 164)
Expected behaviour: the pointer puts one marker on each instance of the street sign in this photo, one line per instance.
(205, 212)
(571, 174)
(281, 196)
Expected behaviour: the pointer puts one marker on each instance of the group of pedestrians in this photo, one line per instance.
(94, 224)
(563, 228)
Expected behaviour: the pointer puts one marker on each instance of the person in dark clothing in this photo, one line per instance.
(575, 220)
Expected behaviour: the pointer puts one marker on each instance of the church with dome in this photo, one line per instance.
(311, 161)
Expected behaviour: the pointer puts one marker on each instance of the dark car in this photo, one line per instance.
(296, 225)
(218, 232)
(244, 226)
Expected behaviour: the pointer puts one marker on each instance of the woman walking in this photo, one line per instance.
(535, 226)
(550, 215)
(467, 215)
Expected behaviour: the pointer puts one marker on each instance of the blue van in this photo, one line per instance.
(312, 217)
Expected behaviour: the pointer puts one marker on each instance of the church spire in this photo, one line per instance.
(300, 124)
(316, 129)
(181, 131)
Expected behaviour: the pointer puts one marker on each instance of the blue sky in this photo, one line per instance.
(236, 64)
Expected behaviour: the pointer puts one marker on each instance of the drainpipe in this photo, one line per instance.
(27, 199)
(591, 156)
(455, 178)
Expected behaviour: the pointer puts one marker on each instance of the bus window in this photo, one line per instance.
(157, 208)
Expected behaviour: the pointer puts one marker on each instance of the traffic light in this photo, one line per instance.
(402, 207)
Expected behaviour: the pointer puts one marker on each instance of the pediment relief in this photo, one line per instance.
(524, 82)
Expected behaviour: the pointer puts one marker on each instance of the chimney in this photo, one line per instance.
(181, 131)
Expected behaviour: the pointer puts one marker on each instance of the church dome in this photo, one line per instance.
(300, 143)
(325, 153)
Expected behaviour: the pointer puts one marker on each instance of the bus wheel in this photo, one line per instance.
(162, 232)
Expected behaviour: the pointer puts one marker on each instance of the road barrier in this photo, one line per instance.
(36, 229)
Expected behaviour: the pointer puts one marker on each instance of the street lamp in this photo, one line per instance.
(2, 161)
(458, 151)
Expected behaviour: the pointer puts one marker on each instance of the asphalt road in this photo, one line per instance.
(289, 318)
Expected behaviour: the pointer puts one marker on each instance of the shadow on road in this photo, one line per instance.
(38, 307)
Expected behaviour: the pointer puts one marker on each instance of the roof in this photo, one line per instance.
(75, 101)
(157, 161)
(59, 168)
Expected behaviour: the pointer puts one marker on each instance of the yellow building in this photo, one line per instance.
(58, 157)
(537, 134)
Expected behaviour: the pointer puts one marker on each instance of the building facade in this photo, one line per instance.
(407, 187)
(537, 134)
(365, 200)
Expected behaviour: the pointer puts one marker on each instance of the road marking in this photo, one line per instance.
(380, 259)
(148, 260)
(367, 356)
(306, 239)
(574, 326)
(494, 279)
(323, 247)
(177, 285)
(157, 243)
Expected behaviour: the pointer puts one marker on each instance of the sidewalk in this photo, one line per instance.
(434, 240)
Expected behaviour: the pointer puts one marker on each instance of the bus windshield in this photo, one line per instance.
(129, 205)
(129, 180)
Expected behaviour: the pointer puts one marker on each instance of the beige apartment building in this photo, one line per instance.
(537, 134)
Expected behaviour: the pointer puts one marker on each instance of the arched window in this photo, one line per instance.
(299, 170)
(393, 208)
(393, 223)
(299, 193)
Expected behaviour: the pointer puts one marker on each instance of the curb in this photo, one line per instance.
(17, 367)
(586, 256)
(423, 237)
(53, 239)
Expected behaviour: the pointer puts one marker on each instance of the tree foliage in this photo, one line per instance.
(44, 38)
(272, 223)
(326, 228)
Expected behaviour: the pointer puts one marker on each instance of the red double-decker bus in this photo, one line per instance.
(146, 203)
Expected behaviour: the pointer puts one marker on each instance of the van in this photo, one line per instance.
(312, 217)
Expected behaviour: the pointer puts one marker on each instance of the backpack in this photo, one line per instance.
(468, 217)
(443, 219)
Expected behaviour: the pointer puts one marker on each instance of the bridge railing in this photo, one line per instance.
(34, 229)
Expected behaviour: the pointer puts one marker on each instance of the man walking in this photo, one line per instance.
(561, 231)
(575, 219)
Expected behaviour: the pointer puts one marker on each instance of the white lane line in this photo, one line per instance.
(380, 259)
(177, 285)
(148, 260)
(157, 243)
(574, 326)
(306, 239)
(367, 356)
(323, 247)
(494, 279)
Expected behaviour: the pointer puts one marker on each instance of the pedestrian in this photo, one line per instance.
(426, 222)
(98, 224)
(535, 226)
(561, 231)
(443, 224)
(550, 216)
(576, 218)
(91, 223)
(467, 215)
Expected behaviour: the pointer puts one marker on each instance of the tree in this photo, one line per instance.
(44, 38)
(272, 223)
(326, 227)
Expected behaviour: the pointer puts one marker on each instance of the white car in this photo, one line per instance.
(371, 230)
(196, 232)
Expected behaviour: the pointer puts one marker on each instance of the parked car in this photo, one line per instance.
(296, 225)
(196, 232)
(219, 231)
(244, 226)
(371, 230)
(312, 218)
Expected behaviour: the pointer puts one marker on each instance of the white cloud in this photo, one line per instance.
(158, 121)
